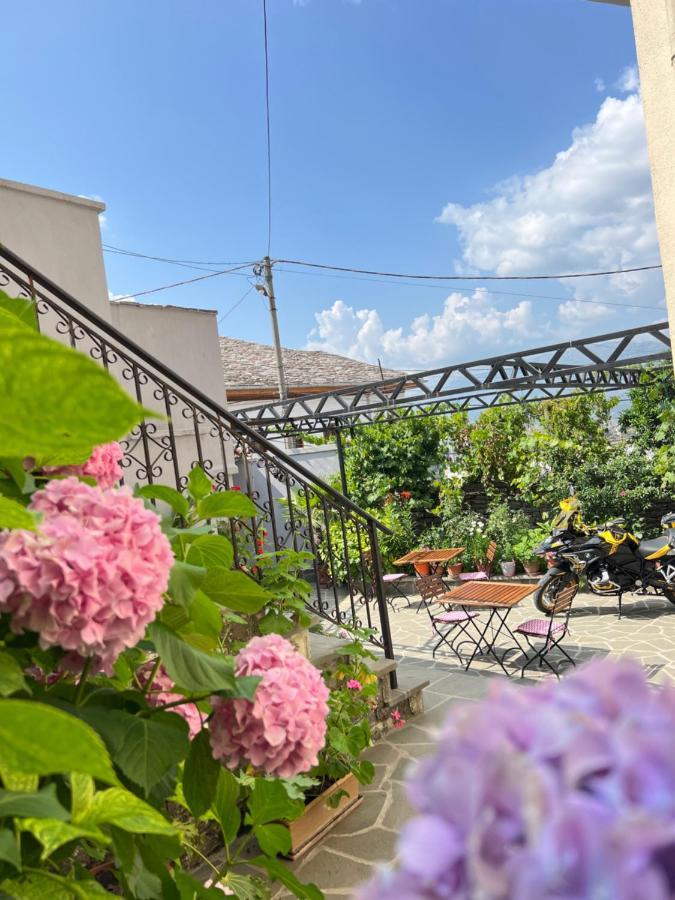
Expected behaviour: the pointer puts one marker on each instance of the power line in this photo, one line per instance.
(188, 263)
(166, 287)
(235, 305)
(269, 142)
(297, 262)
(470, 290)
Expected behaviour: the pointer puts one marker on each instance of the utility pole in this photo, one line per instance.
(268, 290)
(267, 269)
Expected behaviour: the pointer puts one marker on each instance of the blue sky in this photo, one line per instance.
(406, 135)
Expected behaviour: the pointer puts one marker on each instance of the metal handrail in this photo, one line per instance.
(193, 392)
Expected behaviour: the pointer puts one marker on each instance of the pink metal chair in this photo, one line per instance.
(392, 579)
(445, 623)
(484, 566)
(550, 631)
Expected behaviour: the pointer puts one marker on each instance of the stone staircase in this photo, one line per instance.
(407, 698)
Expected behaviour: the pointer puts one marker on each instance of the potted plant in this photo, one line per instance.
(331, 789)
(524, 550)
(504, 526)
(422, 568)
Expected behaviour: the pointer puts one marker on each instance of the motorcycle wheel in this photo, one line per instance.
(549, 586)
(669, 594)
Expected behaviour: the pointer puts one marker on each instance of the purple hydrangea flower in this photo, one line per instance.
(557, 792)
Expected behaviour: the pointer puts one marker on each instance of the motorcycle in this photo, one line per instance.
(612, 559)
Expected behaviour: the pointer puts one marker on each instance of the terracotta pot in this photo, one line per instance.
(454, 569)
(318, 817)
(423, 569)
(509, 568)
(532, 567)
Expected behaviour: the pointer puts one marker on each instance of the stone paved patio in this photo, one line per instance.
(347, 855)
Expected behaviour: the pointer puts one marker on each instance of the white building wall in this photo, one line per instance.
(59, 235)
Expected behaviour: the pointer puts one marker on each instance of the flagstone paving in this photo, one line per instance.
(349, 853)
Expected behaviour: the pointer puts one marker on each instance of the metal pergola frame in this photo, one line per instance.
(606, 362)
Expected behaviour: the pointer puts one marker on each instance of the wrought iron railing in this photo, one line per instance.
(295, 509)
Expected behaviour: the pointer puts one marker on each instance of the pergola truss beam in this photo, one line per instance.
(599, 363)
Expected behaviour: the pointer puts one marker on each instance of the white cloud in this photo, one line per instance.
(590, 209)
(600, 85)
(466, 327)
(628, 81)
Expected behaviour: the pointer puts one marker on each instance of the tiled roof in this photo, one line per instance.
(250, 365)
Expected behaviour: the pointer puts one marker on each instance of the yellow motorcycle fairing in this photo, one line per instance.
(570, 514)
(616, 538)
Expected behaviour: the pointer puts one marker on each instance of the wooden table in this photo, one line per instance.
(435, 558)
(499, 598)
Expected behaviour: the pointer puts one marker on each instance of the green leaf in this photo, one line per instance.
(191, 889)
(200, 775)
(273, 839)
(86, 405)
(277, 871)
(48, 886)
(53, 833)
(11, 675)
(226, 505)
(121, 808)
(235, 590)
(225, 804)
(36, 739)
(192, 669)
(173, 498)
(270, 802)
(14, 781)
(14, 515)
(15, 469)
(9, 848)
(199, 484)
(184, 580)
(21, 308)
(43, 803)
(81, 795)
(206, 617)
(144, 749)
(275, 622)
(211, 550)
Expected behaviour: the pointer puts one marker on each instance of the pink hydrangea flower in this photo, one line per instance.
(161, 692)
(282, 730)
(354, 684)
(92, 578)
(103, 465)
(564, 790)
(396, 719)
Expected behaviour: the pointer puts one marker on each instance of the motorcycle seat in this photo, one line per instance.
(656, 547)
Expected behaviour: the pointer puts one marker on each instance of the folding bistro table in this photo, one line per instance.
(436, 558)
(499, 598)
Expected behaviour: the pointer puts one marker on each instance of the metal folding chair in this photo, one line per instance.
(551, 630)
(484, 566)
(392, 580)
(445, 623)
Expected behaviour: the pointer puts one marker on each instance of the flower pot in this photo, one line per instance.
(318, 817)
(299, 637)
(508, 568)
(423, 569)
(454, 569)
(531, 567)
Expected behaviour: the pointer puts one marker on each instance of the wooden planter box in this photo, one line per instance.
(318, 817)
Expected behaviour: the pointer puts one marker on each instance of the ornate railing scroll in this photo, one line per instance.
(295, 509)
